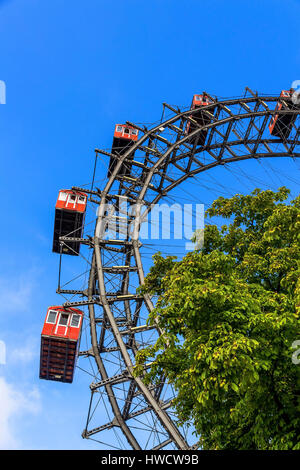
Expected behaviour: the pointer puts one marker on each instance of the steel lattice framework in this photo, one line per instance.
(163, 158)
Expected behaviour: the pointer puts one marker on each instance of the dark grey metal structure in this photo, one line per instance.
(164, 157)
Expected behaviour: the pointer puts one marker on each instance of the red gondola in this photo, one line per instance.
(69, 219)
(281, 124)
(59, 343)
(202, 119)
(124, 138)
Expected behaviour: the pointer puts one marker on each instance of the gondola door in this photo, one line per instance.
(62, 324)
(71, 201)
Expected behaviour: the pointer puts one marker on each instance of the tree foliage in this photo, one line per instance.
(229, 315)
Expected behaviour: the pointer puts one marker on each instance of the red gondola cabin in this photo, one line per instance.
(69, 219)
(59, 343)
(124, 138)
(281, 124)
(202, 119)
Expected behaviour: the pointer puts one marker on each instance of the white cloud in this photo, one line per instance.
(24, 354)
(14, 403)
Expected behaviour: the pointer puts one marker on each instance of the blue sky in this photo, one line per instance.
(72, 70)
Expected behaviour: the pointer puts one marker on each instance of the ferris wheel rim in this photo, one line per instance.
(266, 113)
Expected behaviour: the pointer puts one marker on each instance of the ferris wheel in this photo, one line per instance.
(143, 166)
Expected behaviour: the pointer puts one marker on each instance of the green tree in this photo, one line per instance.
(229, 315)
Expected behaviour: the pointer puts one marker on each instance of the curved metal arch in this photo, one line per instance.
(170, 150)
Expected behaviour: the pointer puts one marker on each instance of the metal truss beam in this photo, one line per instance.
(236, 131)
